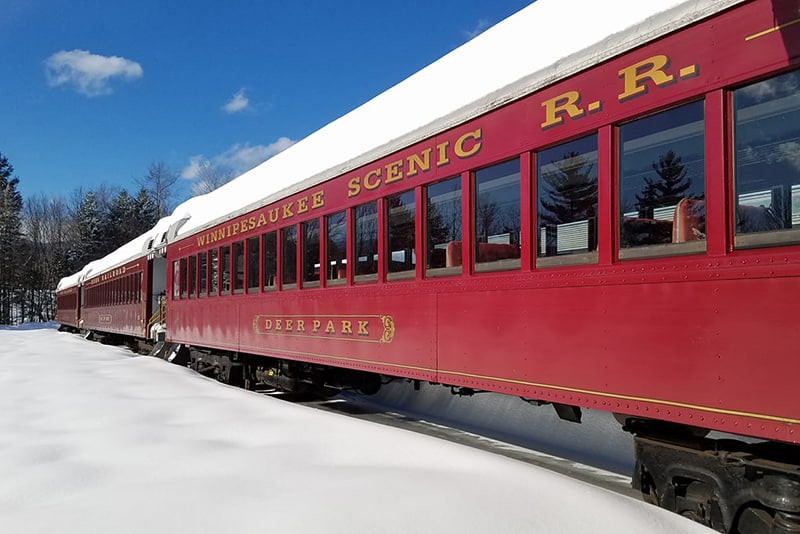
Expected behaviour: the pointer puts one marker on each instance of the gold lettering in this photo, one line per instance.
(475, 137)
(268, 324)
(301, 326)
(289, 324)
(329, 329)
(316, 324)
(317, 200)
(353, 187)
(394, 172)
(278, 324)
(302, 205)
(287, 210)
(262, 220)
(555, 108)
(362, 328)
(419, 162)
(347, 327)
(274, 214)
(442, 152)
(651, 68)
(370, 186)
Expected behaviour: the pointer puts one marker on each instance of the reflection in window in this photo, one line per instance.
(400, 222)
(366, 241)
(662, 182)
(192, 275)
(497, 217)
(238, 266)
(214, 269)
(767, 179)
(269, 251)
(253, 255)
(183, 280)
(310, 253)
(176, 283)
(337, 248)
(443, 236)
(289, 257)
(225, 269)
(567, 204)
(203, 277)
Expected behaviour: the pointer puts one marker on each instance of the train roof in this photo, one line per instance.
(143, 245)
(539, 45)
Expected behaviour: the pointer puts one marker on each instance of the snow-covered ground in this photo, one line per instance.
(94, 440)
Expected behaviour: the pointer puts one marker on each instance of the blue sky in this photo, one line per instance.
(94, 91)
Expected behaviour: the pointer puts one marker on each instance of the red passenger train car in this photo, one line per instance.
(68, 304)
(115, 301)
(625, 238)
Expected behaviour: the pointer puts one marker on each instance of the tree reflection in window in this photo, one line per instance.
(269, 258)
(443, 227)
(337, 248)
(401, 225)
(767, 172)
(497, 217)
(289, 257)
(567, 191)
(310, 253)
(366, 241)
(662, 181)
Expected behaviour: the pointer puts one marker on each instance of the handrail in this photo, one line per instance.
(159, 316)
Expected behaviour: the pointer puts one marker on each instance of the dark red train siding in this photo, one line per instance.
(68, 314)
(707, 339)
(124, 319)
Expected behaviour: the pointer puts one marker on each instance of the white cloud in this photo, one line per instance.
(238, 102)
(89, 73)
(238, 158)
(479, 29)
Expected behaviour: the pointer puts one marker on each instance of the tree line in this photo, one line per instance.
(45, 238)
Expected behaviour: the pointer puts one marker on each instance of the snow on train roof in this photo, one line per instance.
(133, 249)
(544, 42)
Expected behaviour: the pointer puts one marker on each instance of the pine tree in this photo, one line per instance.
(572, 192)
(91, 242)
(666, 190)
(121, 220)
(145, 212)
(10, 239)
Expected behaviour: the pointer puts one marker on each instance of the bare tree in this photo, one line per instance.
(210, 177)
(160, 184)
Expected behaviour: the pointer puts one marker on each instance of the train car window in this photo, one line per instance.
(662, 184)
(238, 267)
(269, 257)
(202, 261)
(566, 216)
(225, 270)
(497, 217)
(401, 239)
(443, 228)
(767, 162)
(213, 270)
(192, 276)
(311, 265)
(336, 249)
(366, 242)
(176, 280)
(253, 259)
(289, 258)
(183, 278)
